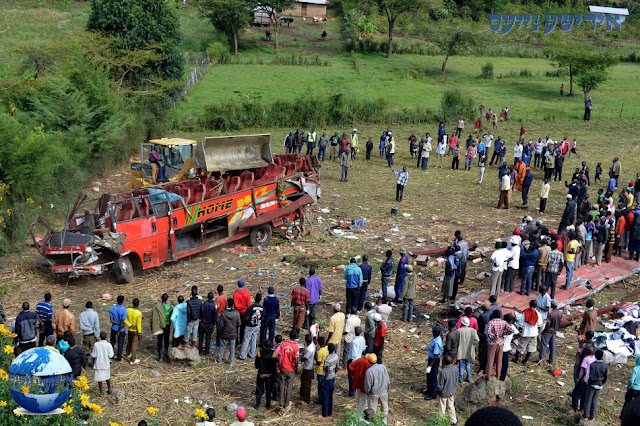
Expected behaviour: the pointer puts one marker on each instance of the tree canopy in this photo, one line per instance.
(142, 25)
(227, 16)
(391, 10)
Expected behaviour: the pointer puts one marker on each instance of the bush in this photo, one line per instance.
(219, 53)
(437, 420)
(438, 13)
(525, 73)
(487, 71)
(453, 104)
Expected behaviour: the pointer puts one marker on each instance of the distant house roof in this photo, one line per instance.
(609, 10)
(313, 1)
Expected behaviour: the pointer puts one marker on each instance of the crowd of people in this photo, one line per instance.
(588, 234)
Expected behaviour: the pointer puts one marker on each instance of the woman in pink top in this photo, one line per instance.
(473, 322)
(577, 395)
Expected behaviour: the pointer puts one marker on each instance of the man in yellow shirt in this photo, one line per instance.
(336, 327)
(570, 257)
(321, 354)
(134, 331)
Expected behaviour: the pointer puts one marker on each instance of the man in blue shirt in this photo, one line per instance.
(117, 315)
(314, 285)
(270, 313)
(496, 151)
(366, 280)
(44, 311)
(433, 361)
(482, 148)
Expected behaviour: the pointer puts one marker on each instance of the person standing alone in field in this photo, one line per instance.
(401, 182)
(345, 163)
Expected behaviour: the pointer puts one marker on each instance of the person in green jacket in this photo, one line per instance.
(161, 325)
(408, 294)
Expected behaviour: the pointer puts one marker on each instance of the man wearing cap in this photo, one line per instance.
(376, 386)
(569, 214)
(336, 327)
(64, 320)
(241, 300)
(433, 361)
(353, 278)
(241, 414)
(270, 314)
(401, 273)
(380, 337)
(408, 294)
(357, 371)
(354, 143)
(300, 305)
(466, 349)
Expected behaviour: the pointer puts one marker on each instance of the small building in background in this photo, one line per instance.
(311, 8)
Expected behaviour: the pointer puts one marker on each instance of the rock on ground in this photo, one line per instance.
(482, 391)
(593, 423)
(189, 354)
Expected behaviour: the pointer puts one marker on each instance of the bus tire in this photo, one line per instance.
(261, 235)
(123, 270)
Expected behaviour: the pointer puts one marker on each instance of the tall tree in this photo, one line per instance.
(591, 69)
(392, 9)
(142, 25)
(454, 42)
(273, 8)
(227, 16)
(582, 62)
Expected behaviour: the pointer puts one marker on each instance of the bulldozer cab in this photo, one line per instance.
(176, 159)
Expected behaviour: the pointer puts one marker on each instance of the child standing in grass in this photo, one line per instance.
(455, 162)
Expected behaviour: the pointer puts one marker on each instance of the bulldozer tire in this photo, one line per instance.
(123, 270)
(261, 235)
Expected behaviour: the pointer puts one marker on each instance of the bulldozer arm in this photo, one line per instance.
(224, 153)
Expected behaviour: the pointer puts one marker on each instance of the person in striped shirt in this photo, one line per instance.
(300, 303)
(44, 311)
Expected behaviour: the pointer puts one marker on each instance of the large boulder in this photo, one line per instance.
(189, 355)
(481, 392)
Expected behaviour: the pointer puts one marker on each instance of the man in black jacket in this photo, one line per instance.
(266, 362)
(207, 324)
(26, 328)
(569, 214)
(228, 327)
(194, 313)
(76, 358)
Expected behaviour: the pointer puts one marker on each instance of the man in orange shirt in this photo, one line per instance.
(64, 320)
(357, 370)
(241, 300)
(288, 357)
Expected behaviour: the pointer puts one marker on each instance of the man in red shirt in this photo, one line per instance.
(288, 363)
(300, 297)
(357, 370)
(381, 334)
(241, 300)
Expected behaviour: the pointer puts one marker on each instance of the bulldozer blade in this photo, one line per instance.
(224, 153)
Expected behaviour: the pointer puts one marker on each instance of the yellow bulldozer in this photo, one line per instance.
(178, 159)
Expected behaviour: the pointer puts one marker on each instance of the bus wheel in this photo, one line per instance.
(123, 270)
(260, 235)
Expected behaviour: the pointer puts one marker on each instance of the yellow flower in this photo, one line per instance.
(19, 414)
(81, 383)
(24, 389)
(114, 424)
(8, 349)
(9, 212)
(95, 407)
(3, 374)
(201, 414)
(84, 398)
(152, 410)
(68, 409)
(3, 403)
(30, 200)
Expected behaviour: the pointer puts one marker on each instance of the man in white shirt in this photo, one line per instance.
(530, 321)
(384, 310)
(349, 333)
(499, 260)
(513, 265)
